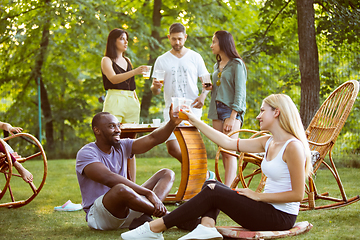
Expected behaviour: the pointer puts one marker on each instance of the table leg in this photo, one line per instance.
(194, 163)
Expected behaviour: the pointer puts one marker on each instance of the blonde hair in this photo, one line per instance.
(290, 121)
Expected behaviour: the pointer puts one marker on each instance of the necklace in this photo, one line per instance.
(218, 82)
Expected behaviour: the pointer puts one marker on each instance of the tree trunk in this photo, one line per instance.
(147, 94)
(309, 61)
(45, 103)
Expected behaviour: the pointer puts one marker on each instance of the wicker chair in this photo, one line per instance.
(13, 180)
(322, 133)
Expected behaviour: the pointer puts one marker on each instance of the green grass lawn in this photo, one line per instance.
(38, 220)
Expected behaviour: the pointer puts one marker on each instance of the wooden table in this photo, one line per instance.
(194, 159)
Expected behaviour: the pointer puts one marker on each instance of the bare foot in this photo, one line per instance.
(25, 174)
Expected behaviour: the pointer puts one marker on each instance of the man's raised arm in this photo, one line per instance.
(145, 143)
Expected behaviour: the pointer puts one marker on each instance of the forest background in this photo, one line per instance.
(57, 45)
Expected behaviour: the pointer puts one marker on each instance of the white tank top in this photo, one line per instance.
(278, 178)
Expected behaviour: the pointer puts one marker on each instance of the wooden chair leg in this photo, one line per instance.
(313, 194)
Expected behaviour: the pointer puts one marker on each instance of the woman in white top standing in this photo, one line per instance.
(286, 165)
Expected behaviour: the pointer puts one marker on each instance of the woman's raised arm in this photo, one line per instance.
(244, 145)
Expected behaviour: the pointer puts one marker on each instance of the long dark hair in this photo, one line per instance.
(111, 43)
(227, 45)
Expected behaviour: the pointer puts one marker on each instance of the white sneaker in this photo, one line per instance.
(142, 233)
(202, 232)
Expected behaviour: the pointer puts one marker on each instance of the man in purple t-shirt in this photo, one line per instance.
(109, 198)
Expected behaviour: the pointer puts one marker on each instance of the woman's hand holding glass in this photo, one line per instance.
(190, 115)
(206, 82)
(141, 69)
(207, 86)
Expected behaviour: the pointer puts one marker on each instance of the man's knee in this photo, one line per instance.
(168, 174)
(122, 191)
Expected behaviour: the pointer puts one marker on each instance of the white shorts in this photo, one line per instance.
(101, 219)
(172, 137)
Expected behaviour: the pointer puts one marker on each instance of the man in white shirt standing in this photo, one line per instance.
(183, 67)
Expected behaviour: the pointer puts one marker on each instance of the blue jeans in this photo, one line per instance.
(224, 112)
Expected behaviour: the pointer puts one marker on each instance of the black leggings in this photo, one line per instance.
(249, 213)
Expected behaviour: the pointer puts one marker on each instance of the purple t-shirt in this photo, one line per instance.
(116, 161)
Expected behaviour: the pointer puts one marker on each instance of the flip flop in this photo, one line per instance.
(68, 207)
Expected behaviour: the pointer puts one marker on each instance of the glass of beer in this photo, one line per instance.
(146, 74)
(181, 104)
(160, 75)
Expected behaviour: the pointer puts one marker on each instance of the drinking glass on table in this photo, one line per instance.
(146, 74)
(156, 122)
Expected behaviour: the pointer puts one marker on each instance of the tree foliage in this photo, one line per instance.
(61, 43)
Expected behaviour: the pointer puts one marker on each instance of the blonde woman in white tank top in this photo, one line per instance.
(286, 164)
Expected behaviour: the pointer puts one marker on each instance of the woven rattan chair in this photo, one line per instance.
(322, 133)
(12, 180)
